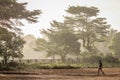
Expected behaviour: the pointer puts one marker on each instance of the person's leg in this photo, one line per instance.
(98, 71)
(102, 71)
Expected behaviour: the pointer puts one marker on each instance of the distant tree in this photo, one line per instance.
(115, 46)
(10, 45)
(66, 39)
(45, 45)
(61, 41)
(112, 33)
(87, 25)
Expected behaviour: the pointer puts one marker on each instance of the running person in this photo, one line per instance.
(100, 67)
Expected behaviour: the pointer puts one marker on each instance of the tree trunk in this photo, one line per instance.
(5, 60)
(53, 58)
(63, 58)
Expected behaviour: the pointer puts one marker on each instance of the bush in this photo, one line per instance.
(12, 63)
(40, 66)
(13, 66)
(111, 59)
(91, 59)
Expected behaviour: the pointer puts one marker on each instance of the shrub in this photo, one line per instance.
(13, 66)
(92, 59)
(111, 59)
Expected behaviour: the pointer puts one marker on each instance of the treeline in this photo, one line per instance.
(78, 35)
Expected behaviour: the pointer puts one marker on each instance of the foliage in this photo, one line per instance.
(44, 45)
(87, 25)
(10, 45)
(91, 59)
(111, 59)
(12, 65)
(61, 41)
(12, 12)
(115, 46)
(52, 66)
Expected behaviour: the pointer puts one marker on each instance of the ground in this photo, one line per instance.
(62, 74)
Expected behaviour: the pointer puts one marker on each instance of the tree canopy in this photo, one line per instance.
(61, 41)
(12, 12)
(87, 25)
(10, 45)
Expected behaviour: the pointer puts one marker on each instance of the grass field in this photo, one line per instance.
(62, 74)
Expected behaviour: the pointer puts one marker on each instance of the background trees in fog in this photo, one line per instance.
(81, 28)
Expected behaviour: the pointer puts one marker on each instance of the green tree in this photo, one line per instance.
(10, 45)
(87, 25)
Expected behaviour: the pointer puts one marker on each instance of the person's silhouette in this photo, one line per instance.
(100, 67)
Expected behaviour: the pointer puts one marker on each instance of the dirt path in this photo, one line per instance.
(62, 74)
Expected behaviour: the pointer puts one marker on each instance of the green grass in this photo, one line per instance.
(60, 66)
(72, 66)
(52, 66)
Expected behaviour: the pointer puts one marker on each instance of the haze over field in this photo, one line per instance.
(28, 49)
